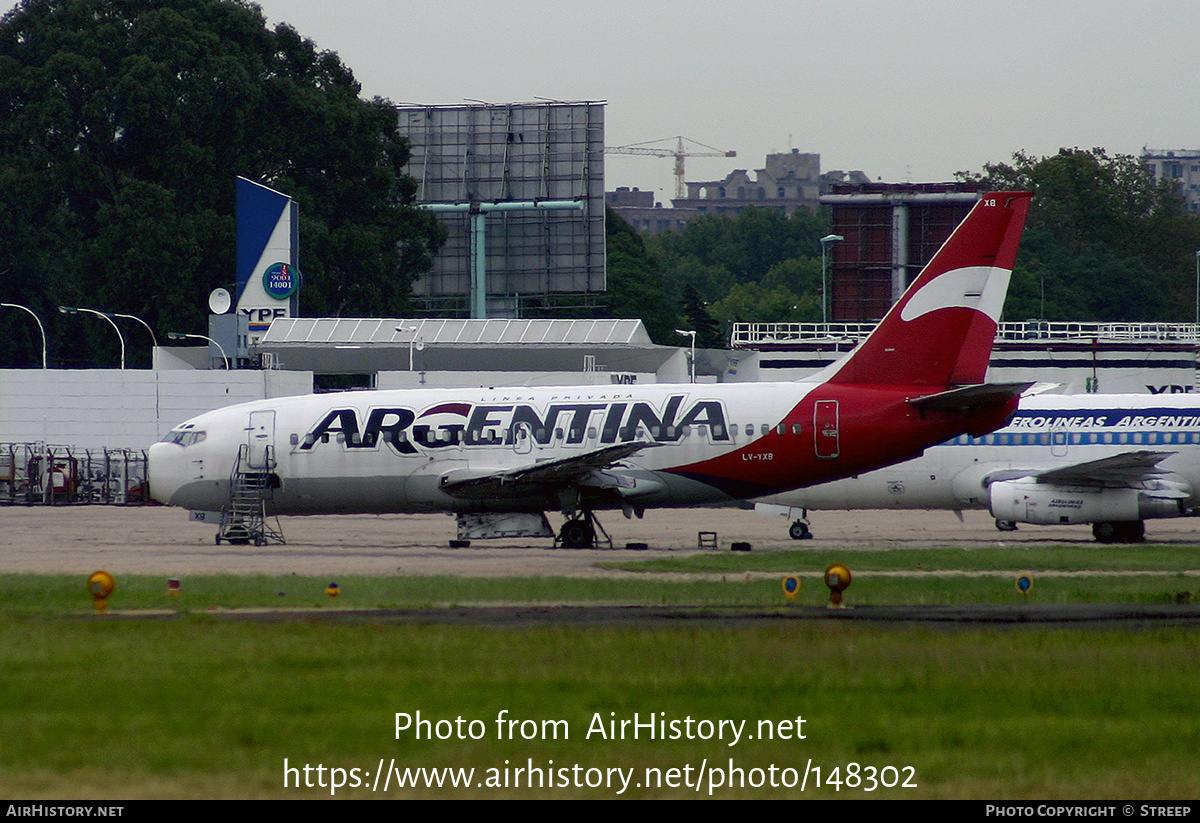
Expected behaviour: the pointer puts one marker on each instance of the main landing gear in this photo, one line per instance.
(799, 530)
(1124, 531)
(580, 531)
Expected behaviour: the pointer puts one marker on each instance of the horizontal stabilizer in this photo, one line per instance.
(968, 398)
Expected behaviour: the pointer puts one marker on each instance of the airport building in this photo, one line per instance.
(1071, 358)
(132, 408)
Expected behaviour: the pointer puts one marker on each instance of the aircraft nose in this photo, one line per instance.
(162, 472)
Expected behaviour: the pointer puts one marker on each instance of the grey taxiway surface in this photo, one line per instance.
(160, 541)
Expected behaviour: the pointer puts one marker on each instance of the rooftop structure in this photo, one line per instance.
(337, 345)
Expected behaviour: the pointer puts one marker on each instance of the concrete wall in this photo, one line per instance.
(476, 379)
(130, 408)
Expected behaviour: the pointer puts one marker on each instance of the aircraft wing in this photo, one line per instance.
(546, 473)
(1119, 471)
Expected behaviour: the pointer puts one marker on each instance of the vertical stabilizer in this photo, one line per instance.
(940, 332)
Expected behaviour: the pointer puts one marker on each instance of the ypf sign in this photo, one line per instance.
(268, 279)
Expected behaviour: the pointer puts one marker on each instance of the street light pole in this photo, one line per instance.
(692, 364)
(153, 339)
(177, 335)
(109, 317)
(411, 341)
(42, 329)
(111, 322)
(825, 241)
(1198, 287)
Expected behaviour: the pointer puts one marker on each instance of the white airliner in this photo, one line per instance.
(1114, 461)
(500, 458)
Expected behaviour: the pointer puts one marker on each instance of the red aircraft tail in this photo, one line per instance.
(940, 332)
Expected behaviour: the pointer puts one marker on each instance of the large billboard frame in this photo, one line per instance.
(509, 153)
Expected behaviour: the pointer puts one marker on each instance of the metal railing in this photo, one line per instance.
(750, 335)
(44, 474)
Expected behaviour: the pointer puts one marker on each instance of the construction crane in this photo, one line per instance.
(678, 153)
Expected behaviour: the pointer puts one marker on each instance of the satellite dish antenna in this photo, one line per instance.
(219, 301)
(420, 345)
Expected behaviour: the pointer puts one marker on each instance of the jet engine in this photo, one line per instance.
(1027, 501)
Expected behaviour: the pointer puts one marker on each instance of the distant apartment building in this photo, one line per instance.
(789, 181)
(638, 209)
(1180, 165)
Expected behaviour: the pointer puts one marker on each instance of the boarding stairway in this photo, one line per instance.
(244, 518)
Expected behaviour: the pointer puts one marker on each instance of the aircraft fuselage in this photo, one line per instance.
(392, 451)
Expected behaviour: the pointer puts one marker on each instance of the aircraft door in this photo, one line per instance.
(1059, 438)
(522, 438)
(260, 438)
(825, 429)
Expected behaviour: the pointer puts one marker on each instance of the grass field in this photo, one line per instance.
(197, 705)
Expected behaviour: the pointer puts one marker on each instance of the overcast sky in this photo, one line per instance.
(913, 90)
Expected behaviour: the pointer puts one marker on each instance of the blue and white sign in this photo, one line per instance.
(268, 277)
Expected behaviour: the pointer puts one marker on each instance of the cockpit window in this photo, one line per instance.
(184, 438)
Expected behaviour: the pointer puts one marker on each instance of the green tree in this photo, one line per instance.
(759, 303)
(698, 318)
(789, 293)
(1104, 240)
(123, 125)
(635, 282)
(745, 245)
(756, 266)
